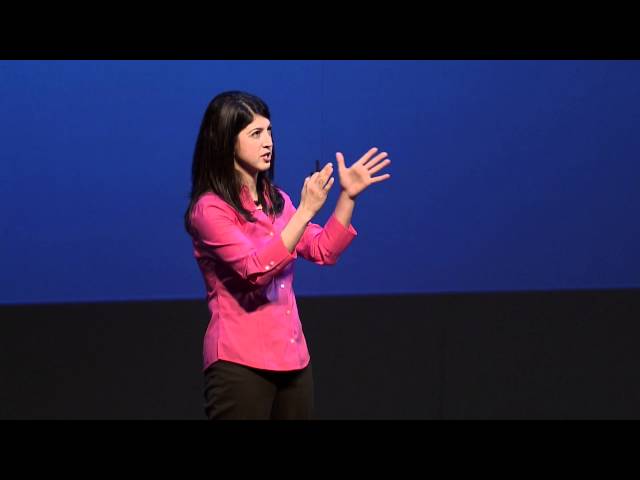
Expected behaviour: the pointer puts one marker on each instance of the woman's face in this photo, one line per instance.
(254, 146)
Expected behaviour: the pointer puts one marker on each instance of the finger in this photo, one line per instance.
(325, 174)
(379, 167)
(365, 158)
(340, 160)
(376, 159)
(327, 187)
(380, 178)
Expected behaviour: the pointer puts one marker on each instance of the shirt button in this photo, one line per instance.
(282, 285)
(266, 267)
(293, 340)
(271, 233)
(288, 312)
(272, 263)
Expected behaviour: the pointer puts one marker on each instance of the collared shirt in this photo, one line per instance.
(248, 275)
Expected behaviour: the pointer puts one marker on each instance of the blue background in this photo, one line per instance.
(506, 175)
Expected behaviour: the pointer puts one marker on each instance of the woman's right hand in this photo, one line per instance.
(315, 190)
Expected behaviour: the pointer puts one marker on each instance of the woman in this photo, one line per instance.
(246, 234)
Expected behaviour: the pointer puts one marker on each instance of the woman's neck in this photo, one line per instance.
(250, 181)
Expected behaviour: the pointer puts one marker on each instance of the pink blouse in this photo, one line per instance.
(248, 274)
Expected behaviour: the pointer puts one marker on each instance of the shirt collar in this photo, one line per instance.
(247, 201)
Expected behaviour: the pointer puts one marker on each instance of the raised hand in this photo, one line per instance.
(316, 188)
(356, 178)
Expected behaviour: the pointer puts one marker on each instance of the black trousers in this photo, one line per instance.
(238, 392)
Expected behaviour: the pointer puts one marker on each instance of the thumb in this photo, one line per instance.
(340, 160)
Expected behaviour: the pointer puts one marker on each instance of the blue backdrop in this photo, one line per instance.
(506, 175)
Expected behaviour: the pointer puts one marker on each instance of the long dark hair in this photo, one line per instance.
(213, 159)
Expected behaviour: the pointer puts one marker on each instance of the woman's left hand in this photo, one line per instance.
(355, 179)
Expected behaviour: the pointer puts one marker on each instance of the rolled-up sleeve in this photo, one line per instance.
(319, 245)
(220, 235)
(323, 246)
